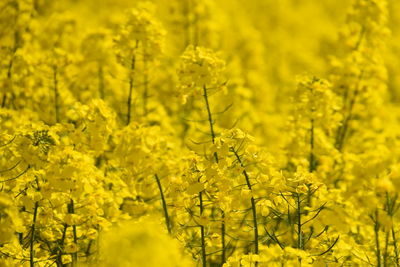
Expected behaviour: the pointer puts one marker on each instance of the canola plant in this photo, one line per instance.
(199, 133)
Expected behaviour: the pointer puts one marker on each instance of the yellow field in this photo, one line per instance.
(199, 133)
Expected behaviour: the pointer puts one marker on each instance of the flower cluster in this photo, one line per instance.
(103, 164)
(199, 68)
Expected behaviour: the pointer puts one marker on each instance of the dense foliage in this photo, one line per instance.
(199, 133)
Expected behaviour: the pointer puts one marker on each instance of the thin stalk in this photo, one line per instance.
(210, 119)
(131, 81)
(312, 157)
(61, 245)
(203, 242)
(100, 74)
(71, 209)
(56, 94)
(87, 252)
(253, 204)
(312, 164)
(32, 241)
(145, 95)
(4, 100)
(9, 77)
(196, 30)
(186, 24)
(223, 230)
(299, 231)
(17, 40)
(378, 248)
(164, 204)
(360, 39)
(395, 247)
(386, 252)
(343, 129)
(212, 133)
(390, 210)
(145, 84)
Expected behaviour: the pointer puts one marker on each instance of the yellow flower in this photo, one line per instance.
(199, 67)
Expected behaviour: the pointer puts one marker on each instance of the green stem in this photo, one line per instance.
(71, 209)
(56, 94)
(17, 40)
(187, 23)
(212, 133)
(210, 119)
(390, 206)
(145, 84)
(395, 247)
(385, 252)
(203, 242)
(10, 80)
(253, 204)
(299, 231)
(196, 30)
(343, 129)
(61, 246)
(164, 204)
(87, 252)
(4, 100)
(378, 249)
(223, 254)
(32, 241)
(101, 81)
(312, 157)
(131, 80)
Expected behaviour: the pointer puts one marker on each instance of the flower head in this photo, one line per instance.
(200, 67)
